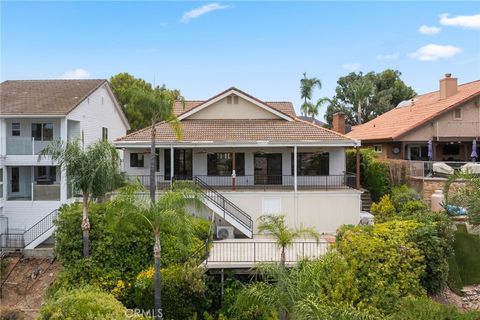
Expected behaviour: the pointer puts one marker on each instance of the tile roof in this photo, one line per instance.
(398, 121)
(234, 130)
(52, 97)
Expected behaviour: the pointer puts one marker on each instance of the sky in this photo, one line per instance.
(263, 48)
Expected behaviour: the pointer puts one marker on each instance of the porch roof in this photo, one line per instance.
(239, 132)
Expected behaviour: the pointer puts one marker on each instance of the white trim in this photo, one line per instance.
(240, 94)
(10, 116)
(144, 144)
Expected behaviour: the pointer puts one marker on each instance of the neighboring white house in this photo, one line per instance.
(32, 114)
(251, 157)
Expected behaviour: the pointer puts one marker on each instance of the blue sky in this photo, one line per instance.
(263, 48)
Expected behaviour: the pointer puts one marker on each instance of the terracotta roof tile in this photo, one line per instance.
(396, 122)
(55, 97)
(227, 130)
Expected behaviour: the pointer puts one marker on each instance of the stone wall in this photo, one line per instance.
(427, 186)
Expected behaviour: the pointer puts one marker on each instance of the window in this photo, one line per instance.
(183, 163)
(104, 133)
(42, 131)
(232, 99)
(45, 174)
(451, 149)
(312, 164)
(136, 160)
(221, 164)
(15, 129)
(377, 148)
(457, 114)
(419, 153)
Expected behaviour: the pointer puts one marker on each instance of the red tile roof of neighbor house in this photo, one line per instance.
(44, 97)
(398, 121)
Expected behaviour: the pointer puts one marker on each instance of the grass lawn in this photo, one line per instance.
(467, 256)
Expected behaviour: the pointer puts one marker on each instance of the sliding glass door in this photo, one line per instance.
(268, 168)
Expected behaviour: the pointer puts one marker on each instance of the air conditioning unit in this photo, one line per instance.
(224, 232)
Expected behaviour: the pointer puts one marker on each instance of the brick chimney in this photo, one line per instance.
(448, 86)
(338, 122)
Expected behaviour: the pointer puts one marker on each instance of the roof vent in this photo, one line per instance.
(406, 103)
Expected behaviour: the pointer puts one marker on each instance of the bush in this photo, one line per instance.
(384, 210)
(183, 291)
(374, 174)
(387, 266)
(467, 256)
(402, 195)
(83, 304)
(423, 308)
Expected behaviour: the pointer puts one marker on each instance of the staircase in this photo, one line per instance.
(366, 200)
(225, 208)
(31, 238)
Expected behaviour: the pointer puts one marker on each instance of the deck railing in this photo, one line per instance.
(225, 251)
(432, 169)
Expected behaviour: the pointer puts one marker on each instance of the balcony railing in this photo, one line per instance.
(37, 192)
(25, 146)
(440, 169)
(226, 251)
(259, 182)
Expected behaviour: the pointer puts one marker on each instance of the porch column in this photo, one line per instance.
(63, 172)
(172, 166)
(234, 171)
(357, 168)
(295, 168)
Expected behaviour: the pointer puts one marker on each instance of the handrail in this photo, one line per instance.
(238, 214)
(39, 228)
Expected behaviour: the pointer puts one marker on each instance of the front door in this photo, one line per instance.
(183, 164)
(268, 168)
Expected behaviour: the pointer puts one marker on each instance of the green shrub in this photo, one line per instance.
(384, 210)
(83, 304)
(386, 264)
(402, 195)
(374, 174)
(423, 308)
(183, 291)
(467, 256)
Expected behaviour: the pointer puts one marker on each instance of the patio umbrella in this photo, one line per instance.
(474, 154)
(430, 150)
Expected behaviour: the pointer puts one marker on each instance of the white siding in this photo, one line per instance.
(95, 112)
(24, 214)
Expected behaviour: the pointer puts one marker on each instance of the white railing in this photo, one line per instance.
(432, 168)
(260, 251)
(45, 192)
(25, 146)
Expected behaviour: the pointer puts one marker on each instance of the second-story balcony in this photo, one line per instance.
(25, 146)
(29, 136)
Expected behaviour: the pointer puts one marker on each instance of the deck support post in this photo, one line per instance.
(234, 171)
(222, 280)
(295, 168)
(172, 166)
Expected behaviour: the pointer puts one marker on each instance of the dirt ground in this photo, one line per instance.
(26, 286)
(468, 302)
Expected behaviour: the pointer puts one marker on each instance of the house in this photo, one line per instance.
(251, 157)
(447, 119)
(32, 114)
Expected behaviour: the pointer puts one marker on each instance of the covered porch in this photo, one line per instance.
(237, 168)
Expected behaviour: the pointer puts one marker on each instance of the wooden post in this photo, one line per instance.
(172, 172)
(357, 169)
(234, 171)
(295, 168)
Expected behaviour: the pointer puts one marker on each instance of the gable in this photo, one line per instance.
(233, 107)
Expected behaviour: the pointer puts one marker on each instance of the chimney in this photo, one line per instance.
(338, 122)
(448, 86)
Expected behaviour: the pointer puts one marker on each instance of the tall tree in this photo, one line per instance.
(388, 91)
(125, 86)
(362, 90)
(307, 86)
(169, 211)
(92, 171)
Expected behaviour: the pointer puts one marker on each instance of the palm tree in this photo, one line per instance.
(169, 211)
(161, 105)
(361, 91)
(92, 171)
(307, 86)
(284, 236)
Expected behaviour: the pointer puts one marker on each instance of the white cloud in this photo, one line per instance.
(75, 74)
(429, 30)
(200, 11)
(352, 66)
(468, 22)
(433, 52)
(390, 56)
